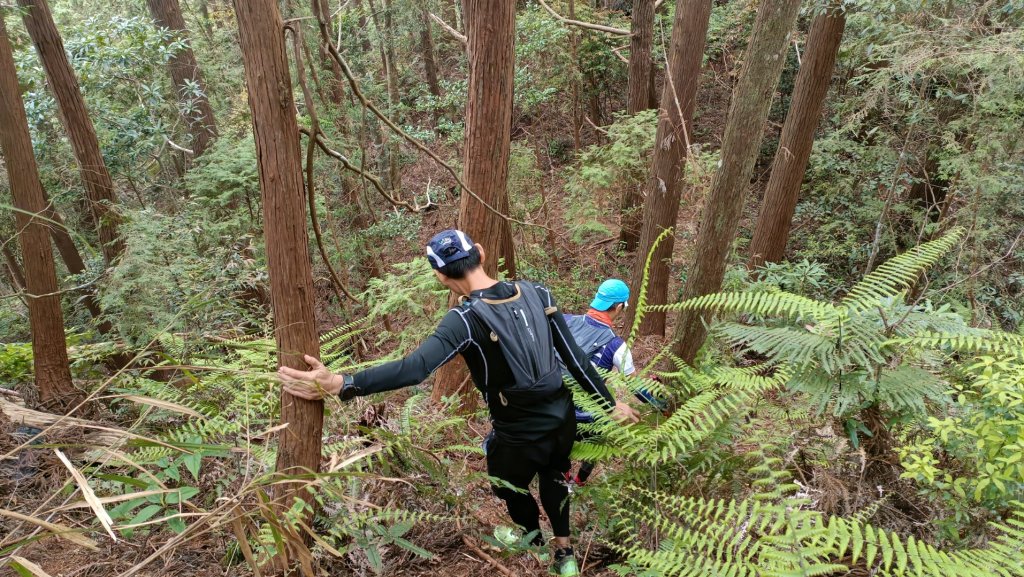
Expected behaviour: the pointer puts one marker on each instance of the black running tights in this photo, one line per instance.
(519, 464)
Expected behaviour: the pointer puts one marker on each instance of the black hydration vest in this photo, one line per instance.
(520, 326)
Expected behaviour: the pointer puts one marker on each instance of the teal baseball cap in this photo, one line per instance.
(611, 292)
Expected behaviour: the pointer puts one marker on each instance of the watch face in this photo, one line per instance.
(348, 391)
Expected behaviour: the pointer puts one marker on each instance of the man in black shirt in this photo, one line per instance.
(532, 435)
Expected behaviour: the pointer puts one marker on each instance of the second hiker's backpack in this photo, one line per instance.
(519, 324)
(590, 337)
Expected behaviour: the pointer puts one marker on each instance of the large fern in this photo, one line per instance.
(850, 354)
(774, 532)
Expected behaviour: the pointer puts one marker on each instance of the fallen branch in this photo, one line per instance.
(364, 175)
(494, 563)
(451, 31)
(582, 24)
(102, 435)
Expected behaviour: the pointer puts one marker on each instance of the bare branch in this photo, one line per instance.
(582, 24)
(368, 105)
(297, 43)
(451, 31)
(178, 147)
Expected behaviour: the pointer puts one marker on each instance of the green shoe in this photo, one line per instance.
(507, 536)
(565, 563)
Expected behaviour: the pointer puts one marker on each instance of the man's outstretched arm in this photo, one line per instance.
(439, 348)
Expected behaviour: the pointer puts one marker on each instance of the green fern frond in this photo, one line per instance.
(775, 303)
(776, 533)
(641, 299)
(976, 341)
(899, 272)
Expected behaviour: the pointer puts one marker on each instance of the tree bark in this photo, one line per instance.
(675, 127)
(99, 187)
(812, 81)
(429, 62)
(744, 129)
(184, 74)
(574, 44)
(640, 75)
(49, 347)
(17, 274)
(276, 133)
(490, 29)
(387, 57)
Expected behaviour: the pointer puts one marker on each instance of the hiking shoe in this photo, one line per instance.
(565, 563)
(507, 536)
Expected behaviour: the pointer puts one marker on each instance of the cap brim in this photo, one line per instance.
(600, 304)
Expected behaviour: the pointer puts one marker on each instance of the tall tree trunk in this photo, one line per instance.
(675, 129)
(387, 58)
(772, 230)
(276, 134)
(49, 348)
(490, 30)
(98, 186)
(744, 130)
(204, 13)
(185, 76)
(322, 10)
(640, 75)
(364, 38)
(429, 63)
(17, 275)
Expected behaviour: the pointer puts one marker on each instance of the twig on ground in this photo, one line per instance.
(494, 563)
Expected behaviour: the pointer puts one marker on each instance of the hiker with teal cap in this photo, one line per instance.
(594, 332)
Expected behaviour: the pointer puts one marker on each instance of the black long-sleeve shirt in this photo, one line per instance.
(462, 332)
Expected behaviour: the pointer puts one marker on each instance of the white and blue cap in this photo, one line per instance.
(447, 247)
(611, 292)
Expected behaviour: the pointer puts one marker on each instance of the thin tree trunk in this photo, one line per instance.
(364, 38)
(72, 258)
(675, 127)
(64, 84)
(429, 63)
(574, 43)
(744, 130)
(204, 13)
(49, 347)
(387, 57)
(640, 74)
(186, 77)
(490, 29)
(322, 10)
(276, 133)
(773, 223)
(17, 275)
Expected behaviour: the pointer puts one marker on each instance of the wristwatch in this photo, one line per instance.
(348, 388)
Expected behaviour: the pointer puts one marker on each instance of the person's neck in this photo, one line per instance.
(602, 316)
(473, 281)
